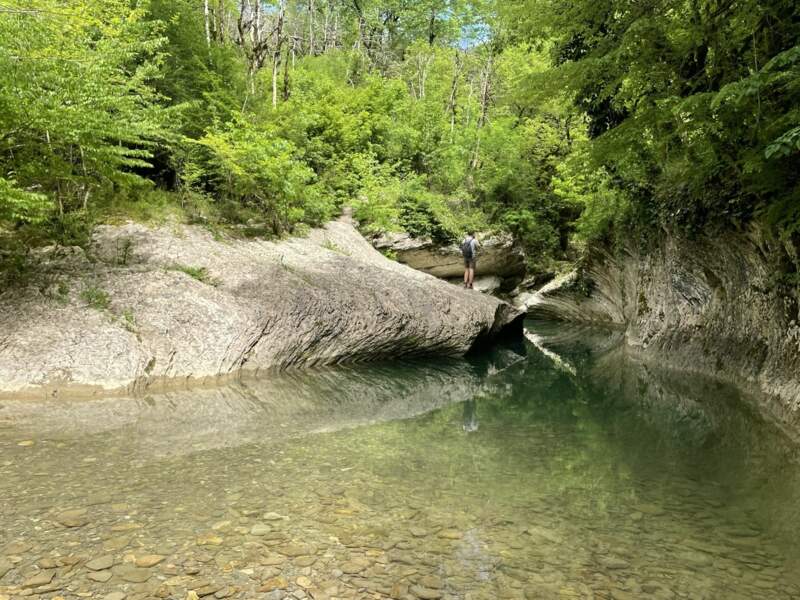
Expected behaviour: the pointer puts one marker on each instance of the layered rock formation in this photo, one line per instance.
(498, 259)
(710, 305)
(161, 306)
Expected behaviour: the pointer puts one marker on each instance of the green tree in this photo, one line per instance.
(691, 105)
(77, 109)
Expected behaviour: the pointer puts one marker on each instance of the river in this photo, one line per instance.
(559, 467)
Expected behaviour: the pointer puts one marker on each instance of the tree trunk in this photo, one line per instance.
(276, 56)
(240, 24)
(251, 38)
(335, 37)
(365, 33)
(432, 28)
(218, 18)
(423, 64)
(325, 31)
(208, 22)
(275, 69)
(220, 13)
(286, 70)
(486, 94)
(311, 49)
(486, 91)
(452, 103)
(86, 188)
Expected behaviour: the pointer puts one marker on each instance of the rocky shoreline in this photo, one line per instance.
(146, 308)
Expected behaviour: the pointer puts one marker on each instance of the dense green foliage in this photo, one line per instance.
(559, 122)
(692, 107)
(77, 114)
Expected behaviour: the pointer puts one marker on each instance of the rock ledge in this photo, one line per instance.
(173, 305)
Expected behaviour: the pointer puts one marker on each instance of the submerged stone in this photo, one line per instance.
(296, 549)
(149, 560)
(100, 564)
(5, 567)
(42, 578)
(274, 583)
(101, 576)
(209, 539)
(131, 574)
(17, 547)
(352, 567)
(260, 529)
(73, 518)
(425, 593)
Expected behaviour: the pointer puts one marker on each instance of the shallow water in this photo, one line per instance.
(560, 468)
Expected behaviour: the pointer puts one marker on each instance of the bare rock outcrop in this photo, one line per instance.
(173, 304)
(498, 256)
(709, 305)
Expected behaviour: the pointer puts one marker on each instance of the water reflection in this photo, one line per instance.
(470, 415)
(245, 412)
(607, 479)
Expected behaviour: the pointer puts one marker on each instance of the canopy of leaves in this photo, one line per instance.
(559, 122)
(692, 106)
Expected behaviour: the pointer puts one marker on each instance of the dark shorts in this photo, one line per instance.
(469, 263)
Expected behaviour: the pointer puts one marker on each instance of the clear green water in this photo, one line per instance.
(569, 473)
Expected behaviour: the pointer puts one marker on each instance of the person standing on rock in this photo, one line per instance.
(469, 250)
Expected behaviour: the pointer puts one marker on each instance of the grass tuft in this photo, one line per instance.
(96, 298)
(199, 273)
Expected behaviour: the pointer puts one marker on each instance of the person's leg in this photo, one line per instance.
(472, 272)
(466, 275)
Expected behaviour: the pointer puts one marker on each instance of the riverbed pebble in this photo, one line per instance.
(101, 563)
(149, 560)
(73, 518)
(221, 530)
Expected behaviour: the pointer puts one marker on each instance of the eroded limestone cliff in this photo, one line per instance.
(161, 306)
(711, 305)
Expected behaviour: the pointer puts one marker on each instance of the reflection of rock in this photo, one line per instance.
(576, 338)
(708, 305)
(497, 256)
(175, 303)
(693, 407)
(292, 403)
(558, 361)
